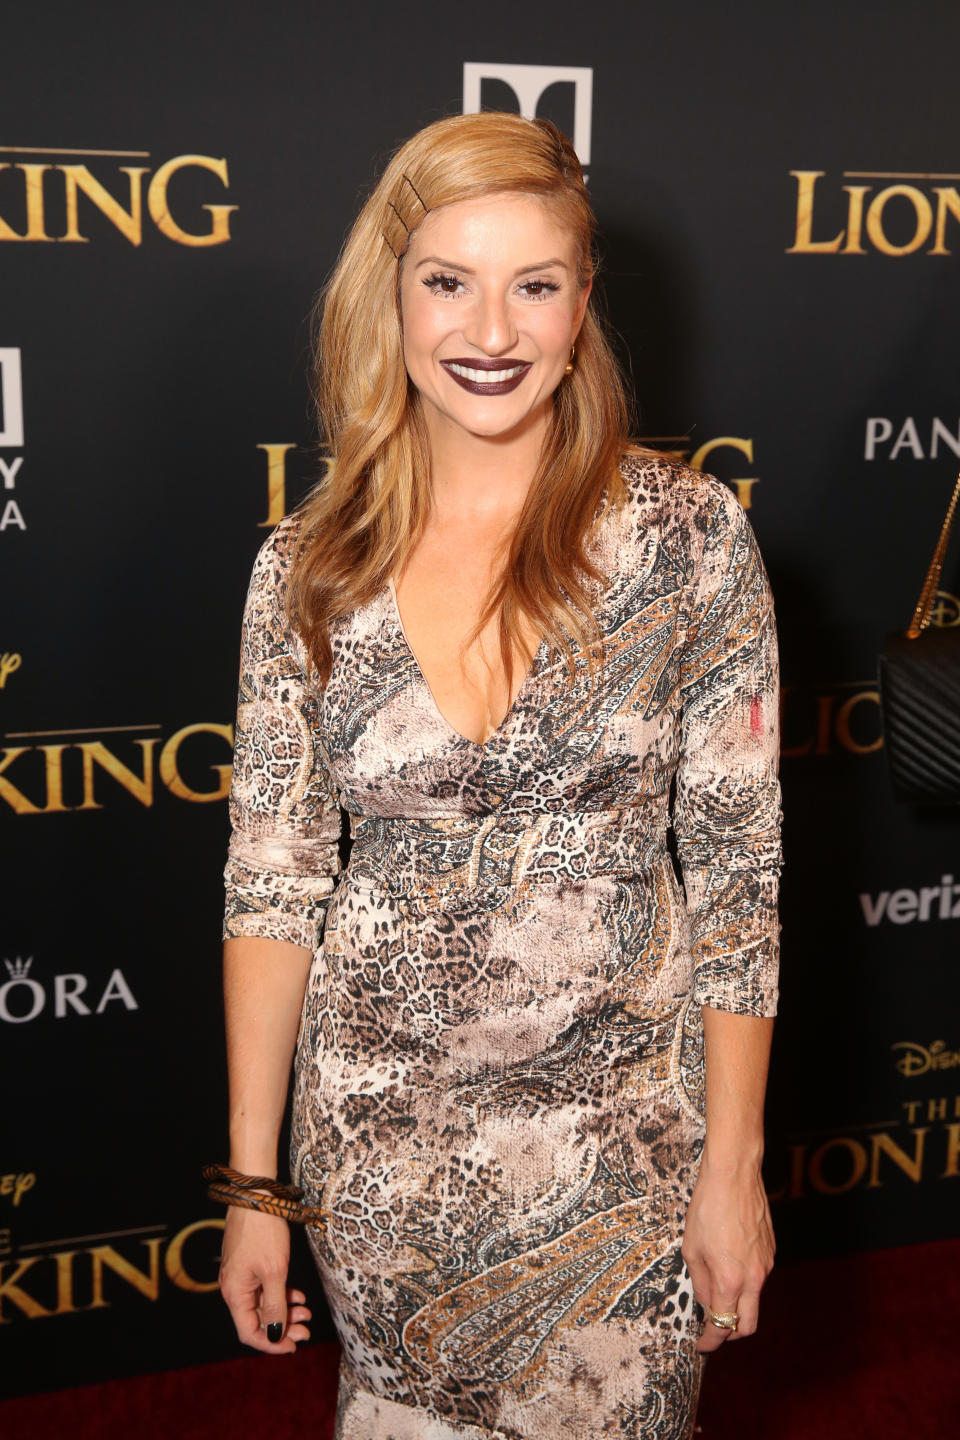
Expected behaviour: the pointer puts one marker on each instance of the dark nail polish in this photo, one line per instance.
(275, 1331)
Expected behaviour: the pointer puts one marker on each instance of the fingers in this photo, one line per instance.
(728, 1249)
(273, 1308)
(728, 1295)
(714, 1335)
(699, 1275)
(748, 1308)
(282, 1317)
(268, 1315)
(251, 1321)
(704, 1291)
(721, 1288)
(752, 1279)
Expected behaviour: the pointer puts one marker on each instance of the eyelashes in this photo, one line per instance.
(439, 284)
(450, 287)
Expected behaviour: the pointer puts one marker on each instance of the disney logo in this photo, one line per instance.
(917, 1059)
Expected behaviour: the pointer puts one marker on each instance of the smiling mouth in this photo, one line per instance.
(487, 377)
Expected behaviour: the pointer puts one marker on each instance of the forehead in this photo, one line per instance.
(494, 227)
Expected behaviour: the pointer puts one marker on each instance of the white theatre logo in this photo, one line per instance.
(11, 436)
(529, 83)
(17, 1008)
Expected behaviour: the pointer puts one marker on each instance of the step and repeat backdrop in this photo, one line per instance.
(779, 194)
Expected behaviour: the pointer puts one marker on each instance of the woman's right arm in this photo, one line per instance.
(281, 871)
(263, 987)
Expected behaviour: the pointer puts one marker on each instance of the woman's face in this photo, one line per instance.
(490, 306)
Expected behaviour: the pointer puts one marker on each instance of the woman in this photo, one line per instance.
(529, 1071)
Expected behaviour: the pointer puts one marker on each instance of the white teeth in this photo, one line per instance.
(486, 377)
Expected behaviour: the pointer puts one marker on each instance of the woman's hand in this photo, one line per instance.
(728, 1246)
(253, 1273)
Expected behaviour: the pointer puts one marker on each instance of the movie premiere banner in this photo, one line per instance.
(779, 194)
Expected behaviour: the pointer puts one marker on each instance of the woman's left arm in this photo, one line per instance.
(728, 1241)
(727, 824)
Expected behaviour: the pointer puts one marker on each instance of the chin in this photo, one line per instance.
(496, 429)
(491, 423)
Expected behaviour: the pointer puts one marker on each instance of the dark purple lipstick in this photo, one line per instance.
(467, 374)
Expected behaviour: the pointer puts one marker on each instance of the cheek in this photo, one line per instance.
(423, 328)
(553, 330)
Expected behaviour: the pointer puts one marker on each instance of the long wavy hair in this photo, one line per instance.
(363, 520)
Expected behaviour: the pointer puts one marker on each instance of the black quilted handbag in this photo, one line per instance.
(920, 696)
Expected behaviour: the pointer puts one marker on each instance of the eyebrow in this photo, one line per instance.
(465, 269)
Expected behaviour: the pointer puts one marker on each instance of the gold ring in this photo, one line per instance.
(728, 1320)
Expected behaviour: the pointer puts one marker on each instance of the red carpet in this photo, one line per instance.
(865, 1345)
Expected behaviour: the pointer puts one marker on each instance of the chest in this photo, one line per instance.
(439, 601)
(599, 741)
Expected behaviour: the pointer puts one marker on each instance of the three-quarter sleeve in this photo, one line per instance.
(285, 817)
(727, 806)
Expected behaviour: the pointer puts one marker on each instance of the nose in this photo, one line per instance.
(492, 328)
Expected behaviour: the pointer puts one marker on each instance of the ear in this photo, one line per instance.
(581, 307)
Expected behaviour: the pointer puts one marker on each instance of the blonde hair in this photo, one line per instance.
(365, 517)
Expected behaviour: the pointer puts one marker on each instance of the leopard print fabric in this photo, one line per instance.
(498, 1095)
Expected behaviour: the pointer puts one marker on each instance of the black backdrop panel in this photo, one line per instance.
(779, 192)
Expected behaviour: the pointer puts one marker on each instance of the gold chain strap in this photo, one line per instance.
(921, 615)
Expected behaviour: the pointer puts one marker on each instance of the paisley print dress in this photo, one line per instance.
(498, 1096)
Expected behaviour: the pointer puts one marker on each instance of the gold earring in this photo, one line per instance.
(569, 366)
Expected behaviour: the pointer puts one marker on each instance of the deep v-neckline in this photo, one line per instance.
(465, 739)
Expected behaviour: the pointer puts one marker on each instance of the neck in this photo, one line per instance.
(479, 475)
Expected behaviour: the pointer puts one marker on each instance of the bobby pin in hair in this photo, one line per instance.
(399, 216)
(417, 193)
(407, 228)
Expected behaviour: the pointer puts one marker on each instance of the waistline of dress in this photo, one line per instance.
(503, 849)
